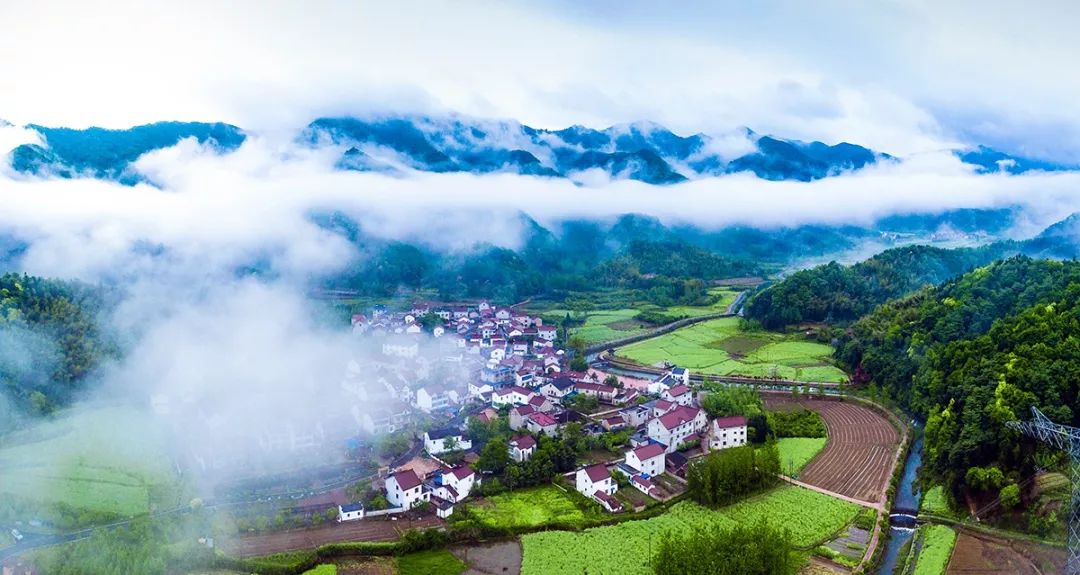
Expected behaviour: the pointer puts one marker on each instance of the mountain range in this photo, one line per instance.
(642, 151)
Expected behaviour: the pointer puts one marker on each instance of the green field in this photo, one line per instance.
(110, 460)
(437, 562)
(796, 452)
(935, 503)
(322, 570)
(623, 549)
(527, 507)
(937, 546)
(717, 347)
(617, 321)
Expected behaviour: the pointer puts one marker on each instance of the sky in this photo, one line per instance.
(901, 77)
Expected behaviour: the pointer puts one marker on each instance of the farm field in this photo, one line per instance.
(109, 460)
(618, 321)
(717, 347)
(436, 562)
(527, 507)
(624, 548)
(934, 502)
(796, 452)
(936, 548)
(858, 457)
(990, 556)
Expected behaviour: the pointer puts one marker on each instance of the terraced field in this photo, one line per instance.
(858, 458)
(717, 347)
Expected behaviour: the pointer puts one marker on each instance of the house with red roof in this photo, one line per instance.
(649, 459)
(544, 423)
(679, 394)
(595, 478)
(404, 489)
(598, 390)
(522, 448)
(727, 432)
(675, 427)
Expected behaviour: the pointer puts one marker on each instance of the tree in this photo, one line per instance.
(743, 550)
(579, 363)
(613, 380)
(1010, 496)
(450, 443)
(495, 456)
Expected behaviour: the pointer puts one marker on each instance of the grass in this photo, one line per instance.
(717, 347)
(935, 502)
(624, 549)
(528, 507)
(322, 570)
(937, 546)
(796, 452)
(617, 321)
(437, 562)
(111, 460)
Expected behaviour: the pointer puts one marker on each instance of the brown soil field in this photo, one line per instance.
(858, 457)
(363, 530)
(977, 555)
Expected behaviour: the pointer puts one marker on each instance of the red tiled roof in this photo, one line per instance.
(524, 409)
(597, 472)
(461, 472)
(524, 442)
(649, 451)
(678, 390)
(597, 387)
(678, 417)
(733, 421)
(663, 404)
(543, 419)
(648, 485)
(407, 479)
(611, 502)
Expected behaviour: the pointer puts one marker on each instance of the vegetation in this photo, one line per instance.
(936, 547)
(721, 347)
(322, 570)
(624, 549)
(50, 342)
(800, 422)
(434, 562)
(837, 293)
(530, 507)
(973, 354)
(743, 550)
(796, 452)
(727, 475)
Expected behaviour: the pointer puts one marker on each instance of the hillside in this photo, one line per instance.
(972, 354)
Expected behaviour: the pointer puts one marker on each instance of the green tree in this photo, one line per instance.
(495, 456)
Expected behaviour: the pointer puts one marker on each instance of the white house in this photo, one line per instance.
(681, 374)
(438, 441)
(675, 427)
(542, 424)
(728, 432)
(401, 347)
(547, 332)
(679, 394)
(648, 459)
(461, 479)
(430, 398)
(558, 387)
(404, 489)
(478, 388)
(512, 395)
(350, 512)
(595, 478)
(522, 448)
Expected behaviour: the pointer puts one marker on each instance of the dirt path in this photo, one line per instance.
(363, 530)
(879, 505)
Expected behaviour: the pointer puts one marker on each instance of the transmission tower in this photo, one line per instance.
(1067, 439)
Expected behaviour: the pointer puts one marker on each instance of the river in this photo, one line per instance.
(905, 507)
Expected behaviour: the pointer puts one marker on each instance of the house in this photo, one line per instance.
(522, 448)
(676, 464)
(487, 415)
(438, 441)
(595, 478)
(644, 485)
(541, 403)
(350, 512)
(547, 332)
(635, 415)
(512, 395)
(478, 388)
(558, 387)
(518, 416)
(461, 479)
(607, 501)
(430, 398)
(613, 423)
(542, 423)
(443, 508)
(405, 347)
(649, 459)
(626, 396)
(663, 407)
(679, 394)
(675, 427)
(728, 432)
(404, 489)
(681, 374)
(598, 390)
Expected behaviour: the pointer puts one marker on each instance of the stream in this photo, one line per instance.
(905, 508)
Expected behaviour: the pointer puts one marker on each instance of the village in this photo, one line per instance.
(500, 369)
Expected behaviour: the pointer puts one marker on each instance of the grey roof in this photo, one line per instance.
(443, 433)
(350, 507)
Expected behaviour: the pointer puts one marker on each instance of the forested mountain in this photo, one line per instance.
(972, 354)
(50, 339)
(838, 293)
